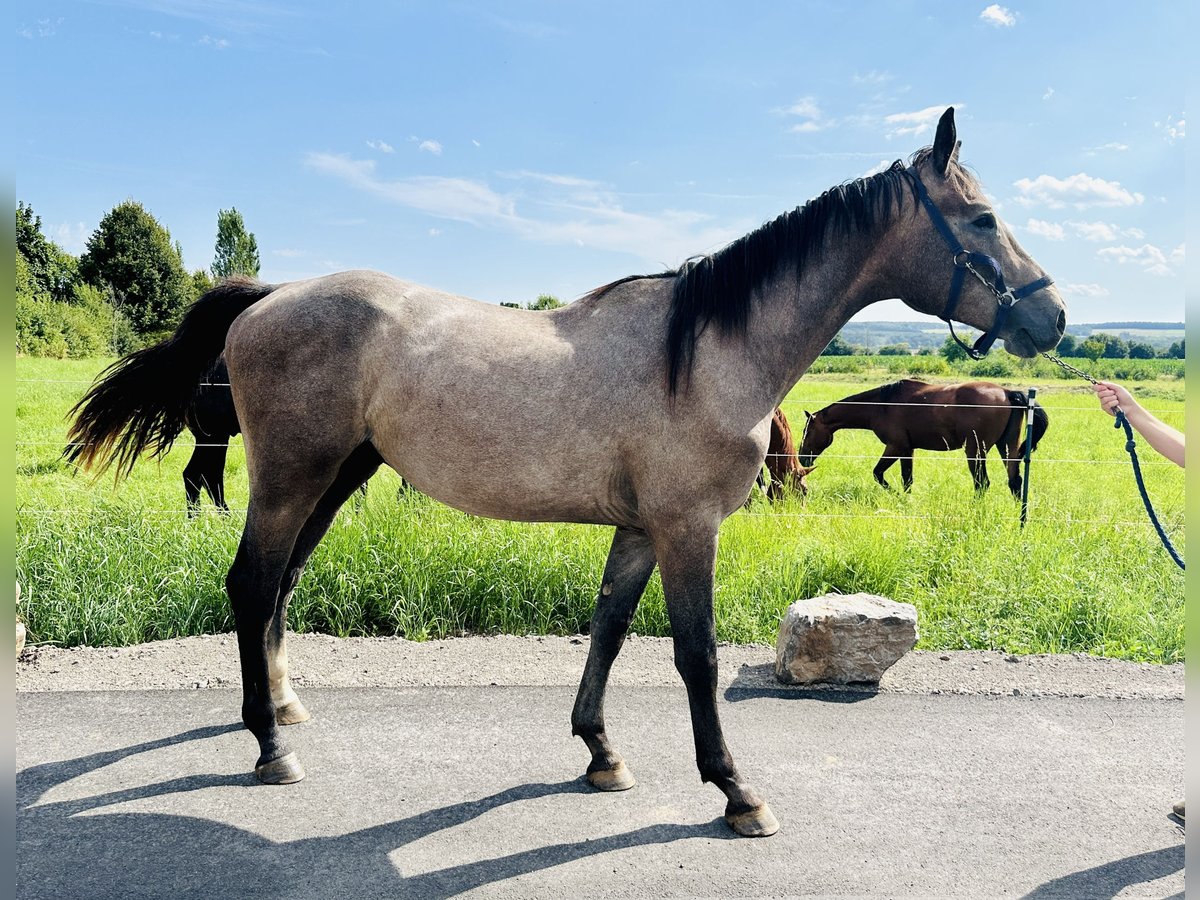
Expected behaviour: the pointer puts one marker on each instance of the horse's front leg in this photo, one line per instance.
(891, 453)
(630, 562)
(686, 559)
(906, 469)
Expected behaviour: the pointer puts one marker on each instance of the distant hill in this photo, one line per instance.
(932, 333)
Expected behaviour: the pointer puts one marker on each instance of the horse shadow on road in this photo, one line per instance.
(67, 849)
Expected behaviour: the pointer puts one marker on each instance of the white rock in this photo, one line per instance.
(843, 638)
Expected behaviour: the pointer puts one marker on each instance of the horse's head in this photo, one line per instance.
(953, 258)
(817, 436)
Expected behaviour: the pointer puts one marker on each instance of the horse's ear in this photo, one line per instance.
(945, 144)
(807, 470)
(807, 414)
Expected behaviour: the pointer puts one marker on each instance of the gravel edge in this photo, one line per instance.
(504, 660)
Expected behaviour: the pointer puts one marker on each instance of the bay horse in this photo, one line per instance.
(645, 405)
(783, 464)
(912, 415)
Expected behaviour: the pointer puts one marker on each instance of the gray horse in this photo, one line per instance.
(645, 405)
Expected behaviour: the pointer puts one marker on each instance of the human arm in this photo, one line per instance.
(1162, 437)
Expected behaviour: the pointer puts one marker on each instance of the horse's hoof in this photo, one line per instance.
(758, 822)
(292, 713)
(285, 770)
(618, 778)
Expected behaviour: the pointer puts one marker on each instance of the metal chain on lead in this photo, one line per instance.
(1070, 368)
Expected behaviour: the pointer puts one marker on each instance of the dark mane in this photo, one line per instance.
(719, 288)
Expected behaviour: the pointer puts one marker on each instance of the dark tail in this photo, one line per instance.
(1041, 421)
(140, 403)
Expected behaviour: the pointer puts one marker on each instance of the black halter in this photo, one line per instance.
(973, 261)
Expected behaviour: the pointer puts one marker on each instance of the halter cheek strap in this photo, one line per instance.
(976, 263)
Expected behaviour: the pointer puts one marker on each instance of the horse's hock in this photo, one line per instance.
(843, 638)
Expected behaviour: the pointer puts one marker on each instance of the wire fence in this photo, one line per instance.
(939, 456)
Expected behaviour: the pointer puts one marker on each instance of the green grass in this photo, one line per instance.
(114, 567)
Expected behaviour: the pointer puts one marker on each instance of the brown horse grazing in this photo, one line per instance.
(783, 465)
(646, 405)
(977, 415)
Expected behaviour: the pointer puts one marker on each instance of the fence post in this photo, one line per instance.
(1032, 394)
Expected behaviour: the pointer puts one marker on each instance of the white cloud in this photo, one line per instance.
(1149, 257)
(1083, 290)
(381, 146)
(1051, 231)
(917, 123)
(476, 143)
(1049, 93)
(215, 43)
(288, 253)
(431, 146)
(1095, 231)
(434, 232)
(563, 209)
(1174, 129)
(874, 78)
(1179, 255)
(998, 16)
(807, 109)
(1077, 190)
(1111, 146)
(882, 166)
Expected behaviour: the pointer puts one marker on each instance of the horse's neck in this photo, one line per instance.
(795, 319)
(856, 413)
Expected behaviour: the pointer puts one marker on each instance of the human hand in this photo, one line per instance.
(1113, 395)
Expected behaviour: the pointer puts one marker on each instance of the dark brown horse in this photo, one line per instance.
(912, 415)
(783, 465)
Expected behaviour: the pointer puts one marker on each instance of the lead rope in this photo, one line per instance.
(1131, 446)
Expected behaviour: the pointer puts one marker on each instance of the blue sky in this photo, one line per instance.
(507, 150)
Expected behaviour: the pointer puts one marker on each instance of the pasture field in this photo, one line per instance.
(115, 567)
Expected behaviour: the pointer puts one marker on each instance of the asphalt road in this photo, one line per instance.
(476, 791)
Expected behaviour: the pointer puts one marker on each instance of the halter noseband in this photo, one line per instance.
(970, 261)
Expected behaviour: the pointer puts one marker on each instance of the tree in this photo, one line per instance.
(839, 346)
(132, 254)
(511, 305)
(951, 351)
(1066, 346)
(546, 301)
(901, 349)
(51, 268)
(202, 283)
(237, 249)
(1141, 350)
(1092, 348)
(1175, 351)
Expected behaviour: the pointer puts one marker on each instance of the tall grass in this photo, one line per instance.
(118, 567)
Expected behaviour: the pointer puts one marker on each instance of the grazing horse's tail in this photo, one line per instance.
(1041, 421)
(141, 402)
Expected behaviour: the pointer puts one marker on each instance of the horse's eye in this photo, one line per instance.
(987, 222)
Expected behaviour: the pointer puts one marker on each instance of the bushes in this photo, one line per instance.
(86, 326)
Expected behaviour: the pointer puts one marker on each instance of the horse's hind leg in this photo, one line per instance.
(630, 562)
(273, 522)
(352, 475)
(193, 479)
(906, 471)
(686, 559)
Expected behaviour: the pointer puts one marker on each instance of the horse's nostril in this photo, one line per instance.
(1062, 323)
